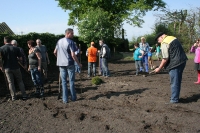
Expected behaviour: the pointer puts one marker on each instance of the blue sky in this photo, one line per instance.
(24, 16)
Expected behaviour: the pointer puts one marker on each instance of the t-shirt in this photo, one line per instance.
(64, 48)
(43, 51)
(9, 56)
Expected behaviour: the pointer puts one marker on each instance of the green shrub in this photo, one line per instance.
(96, 80)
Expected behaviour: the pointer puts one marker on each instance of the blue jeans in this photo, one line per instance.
(105, 67)
(36, 77)
(175, 82)
(93, 66)
(77, 68)
(145, 63)
(70, 71)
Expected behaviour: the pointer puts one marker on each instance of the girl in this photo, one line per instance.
(197, 62)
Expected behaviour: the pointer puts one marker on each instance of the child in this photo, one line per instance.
(197, 62)
(150, 60)
(137, 55)
(158, 52)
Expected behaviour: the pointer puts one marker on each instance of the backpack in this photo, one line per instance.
(108, 53)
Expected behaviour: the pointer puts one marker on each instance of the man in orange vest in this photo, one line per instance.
(92, 59)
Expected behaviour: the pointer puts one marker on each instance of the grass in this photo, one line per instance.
(129, 56)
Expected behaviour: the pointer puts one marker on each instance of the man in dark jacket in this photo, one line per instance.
(10, 65)
(174, 60)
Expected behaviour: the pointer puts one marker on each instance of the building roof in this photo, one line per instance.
(4, 28)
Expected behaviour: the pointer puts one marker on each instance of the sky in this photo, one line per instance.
(41, 16)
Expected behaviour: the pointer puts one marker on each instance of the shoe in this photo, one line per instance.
(14, 98)
(41, 91)
(88, 76)
(94, 75)
(24, 98)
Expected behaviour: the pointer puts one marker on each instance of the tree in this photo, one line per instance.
(115, 12)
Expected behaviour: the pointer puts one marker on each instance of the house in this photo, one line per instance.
(4, 29)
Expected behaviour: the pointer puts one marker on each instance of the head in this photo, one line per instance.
(92, 43)
(143, 40)
(38, 42)
(160, 36)
(69, 33)
(31, 43)
(14, 43)
(101, 42)
(136, 45)
(7, 39)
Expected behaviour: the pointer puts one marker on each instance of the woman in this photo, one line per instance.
(35, 67)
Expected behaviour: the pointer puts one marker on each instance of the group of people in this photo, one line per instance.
(173, 59)
(13, 58)
(65, 51)
(143, 56)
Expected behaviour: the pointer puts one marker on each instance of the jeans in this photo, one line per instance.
(36, 77)
(105, 67)
(93, 66)
(70, 71)
(11, 75)
(175, 82)
(138, 65)
(145, 63)
(77, 68)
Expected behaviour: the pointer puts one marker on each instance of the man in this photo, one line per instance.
(65, 53)
(10, 56)
(45, 57)
(23, 62)
(92, 53)
(145, 47)
(174, 60)
(104, 55)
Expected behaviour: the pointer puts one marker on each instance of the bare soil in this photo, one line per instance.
(123, 103)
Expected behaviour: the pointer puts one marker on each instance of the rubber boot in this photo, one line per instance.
(198, 81)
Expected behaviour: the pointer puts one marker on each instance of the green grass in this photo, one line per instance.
(129, 56)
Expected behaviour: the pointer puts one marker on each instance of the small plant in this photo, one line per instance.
(96, 80)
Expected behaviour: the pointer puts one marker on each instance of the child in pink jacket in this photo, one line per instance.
(197, 62)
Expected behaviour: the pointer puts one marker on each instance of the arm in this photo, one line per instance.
(48, 61)
(104, 52)
(162, 64)
(39, 60)
(55, 52)
(75, 58)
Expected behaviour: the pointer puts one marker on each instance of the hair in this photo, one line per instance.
(136, 44)
(92, 43)
(7, 39)
(32, 43)
(38, 40)
(143, 38)
(13, 42)
(68, 30)
(101, 40)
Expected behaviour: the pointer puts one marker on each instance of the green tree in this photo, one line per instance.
(114, 12)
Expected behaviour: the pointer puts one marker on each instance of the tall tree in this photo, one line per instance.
(115, 12)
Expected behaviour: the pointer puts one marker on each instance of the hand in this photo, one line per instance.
(48, 61)
(157, 70)
(39, 68)
(140, 56)
(98, 51)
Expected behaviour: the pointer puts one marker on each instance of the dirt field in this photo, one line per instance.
(123, 103)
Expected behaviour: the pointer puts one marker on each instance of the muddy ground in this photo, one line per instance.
(123, 103)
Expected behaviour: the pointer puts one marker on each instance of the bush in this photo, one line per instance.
(96, 80)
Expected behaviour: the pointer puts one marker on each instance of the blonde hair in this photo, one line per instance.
(143, 38)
